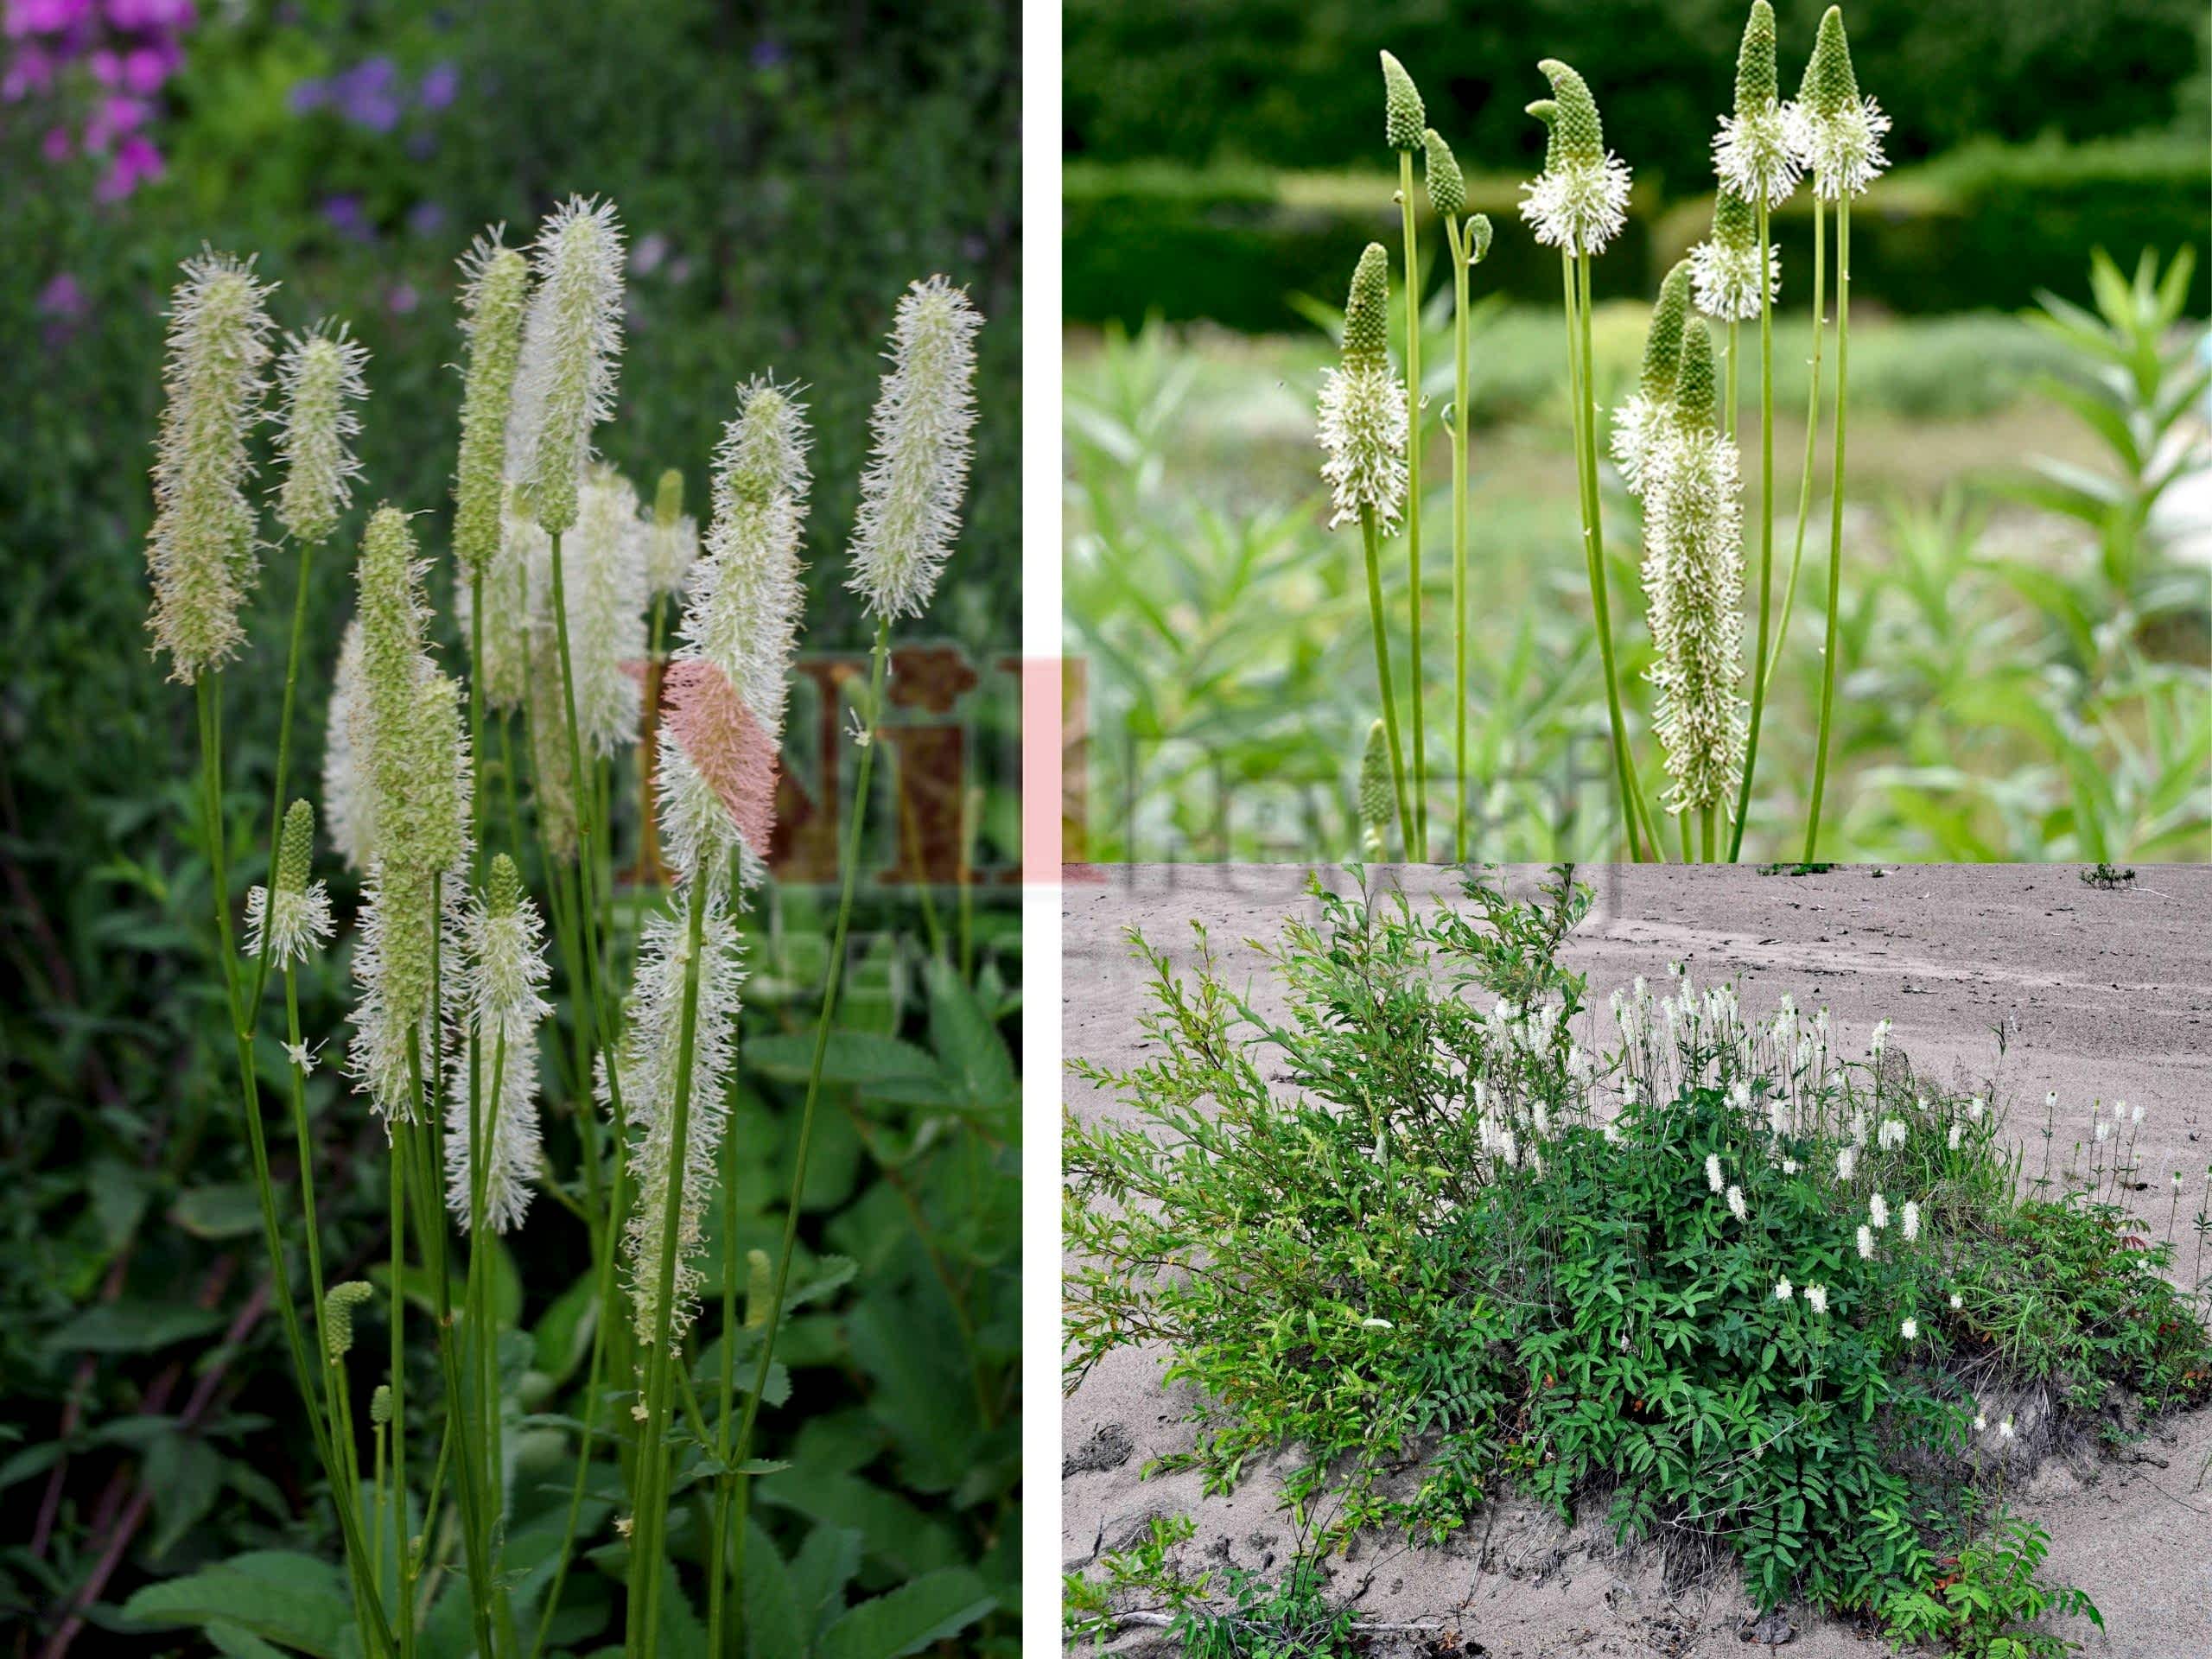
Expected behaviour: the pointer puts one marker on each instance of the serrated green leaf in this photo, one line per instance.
(905, 1620)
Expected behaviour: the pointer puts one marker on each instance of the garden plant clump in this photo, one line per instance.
(476, 1509)
(1734, 1283)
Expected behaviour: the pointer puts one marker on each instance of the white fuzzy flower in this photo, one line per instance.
(671, 536)
(1845, 1161)
(1975, 1107)
(572, 336)
(1957, 1301)
(492, 1091)
(1910, 1330)
(1816, 1298)
(346, 798)
(320, 377)
(603, 581)
(1362, 432)
(1957, 1129)
(1881, 1039)
(1713, 1176)
(302, 1057)
(2135, 1114)
(910, 494)
(1911, 1221)
(1841, 148)
(1736, 1206)
(1756, 156)
(1789, 1166)
(1878, 1211)
(1578, 206)
(1865, 1244)
(1692, 580)
(1980, 1422)
(1893, 1134)
(2004, 1429)
(2104, 1129)
(292, 927)
(1726, 279)
(1784, 1290)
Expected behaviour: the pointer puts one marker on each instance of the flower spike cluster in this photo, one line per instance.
(320, 378)
(1650, 406)
(1753, 152)
(571, 337)
(495, 288)
(1724, 267)
(200, 552)
(502, 966)
(1836, 133)
(291, 921)
(1694, 579)
(1579, 201)
(1362, 413)
(924, 424)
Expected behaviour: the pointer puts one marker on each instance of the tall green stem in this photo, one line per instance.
(1812, 434)
(1370, 540)
(1766, 522)
(1575, 269)
(1458, 538)
(1835, 517)
(1417, 849)
(648, 1540)
(832, 980)
(725, 1484)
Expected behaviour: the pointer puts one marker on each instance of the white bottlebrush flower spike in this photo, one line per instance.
(603, 579)
(1579, 201)
(1880, 1040)
(730, 677)
(651, 1047)
(1957, 1301)
(2004, 1429)
(1910, 1330)
(292, 922)
(1752, 153)
(671, 537)
(1362, 409)
(200, 552)
(1911, 1221)
(1957, 1133)
(1837, 135)
(1784, 1290)
(320, 376)
(344, 791)
(501, 968)
(1649, 412)
(495, 290)
(1878, 1211)
(572, 336)
(1980, 1422)
(1737, 1205)
(1713, 1178)
(1816, 1298)
(1865, 1242)
(1893, 1134)
(923, 426)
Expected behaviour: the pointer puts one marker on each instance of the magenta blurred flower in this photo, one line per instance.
(55, 145)
(134, 161)
(403, 299)
(151, 14)
(440, 86)
(46, 16)
(647, 257)
(309, 95)
(63, 297)
(30, 69)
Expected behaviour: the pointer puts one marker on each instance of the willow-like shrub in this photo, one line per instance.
(1722, 1279)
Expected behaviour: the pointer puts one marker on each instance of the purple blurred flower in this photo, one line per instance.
(45, 17)
(151, 14)
(440, 86)
(63, 297)
(344, 215)
(368, 94)
(403, 299)
(647, 257)
(426, 219)
(769, 54)
(309, 95)
(146, 66)
(55, 145)
(134, 161)
(30, 69)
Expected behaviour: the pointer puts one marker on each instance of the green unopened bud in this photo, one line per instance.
(1374, 788)
(494, 291)
(1829, 87)
(1403, 118)
(1448, 190)
(1757, 83)
(320, 376)
(380, 1405)
(338, 1306)
(1478, 236)
(291, 923)
(200, 551)
(295, 849)
(1735, 221)
(760, 1289)
(1694, 385)
(668, 499)
(503, 889)
(1367, 311)
(1580, 135)
(572, 336)
(1662, 345)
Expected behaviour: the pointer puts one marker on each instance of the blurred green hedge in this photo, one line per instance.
(1985, 227)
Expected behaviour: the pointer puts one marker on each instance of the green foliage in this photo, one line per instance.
(1983, 1605)
(1250, 1616)
(1411, 1233)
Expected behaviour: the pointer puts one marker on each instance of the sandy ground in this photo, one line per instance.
(2101, 995)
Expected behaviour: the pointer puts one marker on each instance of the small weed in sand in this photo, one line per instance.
(1724, 1280)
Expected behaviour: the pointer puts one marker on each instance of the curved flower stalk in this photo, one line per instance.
(655, 1048)
(1650, 408)
(572, 338)
(910, 495)
(1692, 577)
(290, 922)
(730, 681)
(1362, 433)
(320, 377)
(491, 1165)
(1577, 204)
(1404, 123)
(200, 552)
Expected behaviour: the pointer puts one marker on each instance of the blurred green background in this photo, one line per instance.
(2027, 615)
(783, 170)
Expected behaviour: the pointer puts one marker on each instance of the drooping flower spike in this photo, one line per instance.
(1694, 579)
(320, 376)
(572, 336)
(728, 683)
(1362, 409)
(1579, 201)
(495, 290)
(502, 967)
(1837, 135)
(200, 552)
(1753, 152)
(291, 921)
(1725, 267)
(1650, 407)
(924, 424)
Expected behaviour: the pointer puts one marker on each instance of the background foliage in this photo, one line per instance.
(783, 172)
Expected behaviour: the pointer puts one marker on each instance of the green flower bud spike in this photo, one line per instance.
(380, 1405)
(1580, 134)
(1447, 189)
(494, 290)
(320, 377)
(1403, 118)
(1830, 86)
(1694, 384)
(1757, 83)
(338, 1306)
(295, 848)
(1367, 311)
(1662, 345)
(291, 924)
(1478, 237)
(1375, 789)
(668, 499)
